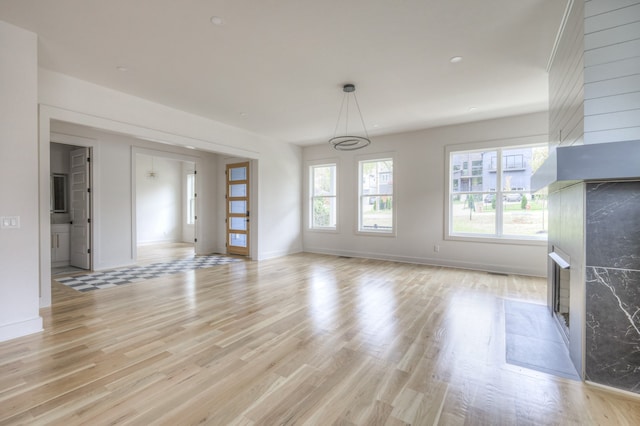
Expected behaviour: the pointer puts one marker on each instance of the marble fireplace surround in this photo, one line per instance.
(612, 275)
(594, 216)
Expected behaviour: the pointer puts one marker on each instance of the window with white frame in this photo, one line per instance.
(375, 209)
(191, 198)
(490, 193)
(323, 196)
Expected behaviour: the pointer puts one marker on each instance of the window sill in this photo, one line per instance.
(376, 233)
(324, 230)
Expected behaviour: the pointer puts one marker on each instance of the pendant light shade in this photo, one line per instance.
(349, 140)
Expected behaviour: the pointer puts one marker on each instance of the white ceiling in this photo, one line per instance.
(276, 67)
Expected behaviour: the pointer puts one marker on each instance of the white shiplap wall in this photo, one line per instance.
(611, 70)
(566, 83)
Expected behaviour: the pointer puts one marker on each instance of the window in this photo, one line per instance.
(494, 200)
(323, 203)
(513, 161)
(191, 198)
(375, 210)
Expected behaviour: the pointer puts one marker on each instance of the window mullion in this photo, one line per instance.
(499, 197)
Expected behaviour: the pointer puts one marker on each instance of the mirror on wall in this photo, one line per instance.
(59, 193)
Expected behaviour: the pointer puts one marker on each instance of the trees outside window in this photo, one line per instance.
(376, 209)
(323, 202)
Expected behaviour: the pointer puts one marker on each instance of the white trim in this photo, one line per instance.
(479, 238)
(559, 34)
(394, 195)
(135, 150)
(46, 137)
(22, 328)
(498, 145)
(486, 267)
(307, 195)
(144, 133)
(278, 253)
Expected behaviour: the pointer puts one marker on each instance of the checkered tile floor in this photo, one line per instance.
(116, 277)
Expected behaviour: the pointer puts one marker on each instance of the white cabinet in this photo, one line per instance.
(60, 245)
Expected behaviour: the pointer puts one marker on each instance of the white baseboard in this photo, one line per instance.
(501, 269)
(19, 329)
(278, 253)
(152, 242)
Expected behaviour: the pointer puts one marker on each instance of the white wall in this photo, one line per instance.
(158, 199)
(19, 182)
(60, 158)
(419, 196)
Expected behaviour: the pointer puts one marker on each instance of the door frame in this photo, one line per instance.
(228, 215)
(135, 150)
(46, 138)
(254, 189)
(49, 113)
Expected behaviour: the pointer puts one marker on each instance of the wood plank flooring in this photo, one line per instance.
(163, 252)
(303, 339)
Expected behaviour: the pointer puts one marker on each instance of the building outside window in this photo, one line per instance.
(492, 198)
(323, 200)
(376, 207)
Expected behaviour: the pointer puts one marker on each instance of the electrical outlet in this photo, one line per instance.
(436, 248)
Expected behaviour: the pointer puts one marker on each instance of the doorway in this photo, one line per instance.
(238, 209)
(165, 207)
(70, 208)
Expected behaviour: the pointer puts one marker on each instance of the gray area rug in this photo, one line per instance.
(116, 277)
(533, 340)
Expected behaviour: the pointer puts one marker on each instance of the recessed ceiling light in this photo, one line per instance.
(190, 147)
(216, 20)
(375, 126)
(455, 59)
(472, 109)
(122, 69)
(243, 114)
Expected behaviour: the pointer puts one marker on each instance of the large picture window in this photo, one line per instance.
(375, 210)
(323, 203)
(490, 193)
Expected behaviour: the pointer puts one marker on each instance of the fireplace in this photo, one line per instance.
(560, 292)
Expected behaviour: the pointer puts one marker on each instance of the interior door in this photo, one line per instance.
(238, 208)
(80, 201)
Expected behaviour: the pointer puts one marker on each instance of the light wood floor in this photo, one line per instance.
(154, 253)
(303, 339)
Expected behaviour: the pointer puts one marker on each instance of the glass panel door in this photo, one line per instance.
(238, 209)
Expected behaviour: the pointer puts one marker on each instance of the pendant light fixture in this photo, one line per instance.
(151, 174)
(349, 141)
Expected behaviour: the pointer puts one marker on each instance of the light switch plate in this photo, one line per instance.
(8, 222)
